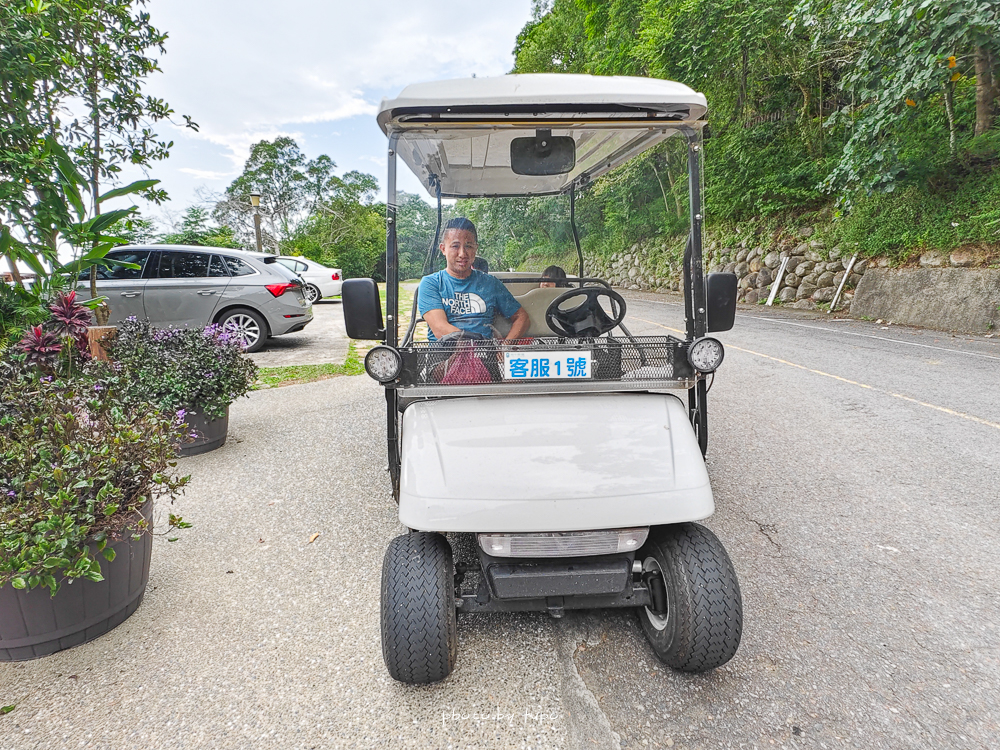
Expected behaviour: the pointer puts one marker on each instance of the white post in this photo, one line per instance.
(847, 272)
(777, 281)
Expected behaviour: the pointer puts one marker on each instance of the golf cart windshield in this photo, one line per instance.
(526, 135)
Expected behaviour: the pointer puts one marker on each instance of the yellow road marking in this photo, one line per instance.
(944, 409)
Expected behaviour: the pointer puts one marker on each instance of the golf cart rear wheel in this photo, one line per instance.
(419, 624)
(700, 623)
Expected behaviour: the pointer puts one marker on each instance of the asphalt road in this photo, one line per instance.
(854, 469)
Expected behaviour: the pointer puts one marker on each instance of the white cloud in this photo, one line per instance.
(252, 70)
(245, 66)
(207, 174)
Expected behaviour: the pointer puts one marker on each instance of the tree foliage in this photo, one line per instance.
(290, 185)
(73, 114)
(809, 100)
(898, 58)
(196, 229)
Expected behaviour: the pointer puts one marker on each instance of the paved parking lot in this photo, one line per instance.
(323, 341)
(855, 478)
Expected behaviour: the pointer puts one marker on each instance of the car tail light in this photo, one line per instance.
(335, 276)
(278, 289)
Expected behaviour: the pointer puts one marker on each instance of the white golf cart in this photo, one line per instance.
(565, 457)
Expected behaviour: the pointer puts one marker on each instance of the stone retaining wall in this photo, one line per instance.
(961, 301)
(951, 299)
(811, 277)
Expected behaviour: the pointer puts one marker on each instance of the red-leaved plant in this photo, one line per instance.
(70, 319)
(60, 342)
(42, 347)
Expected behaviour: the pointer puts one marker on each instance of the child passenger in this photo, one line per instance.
(558, 276)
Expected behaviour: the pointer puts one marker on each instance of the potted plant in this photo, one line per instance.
(81, 459)
(196, 373)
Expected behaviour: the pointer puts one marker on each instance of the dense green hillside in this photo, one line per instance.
(874, 120)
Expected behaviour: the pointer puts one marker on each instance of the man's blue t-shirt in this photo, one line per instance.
(470, 303)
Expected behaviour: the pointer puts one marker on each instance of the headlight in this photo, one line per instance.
(564, 543)
(705, 354)
(383, 363)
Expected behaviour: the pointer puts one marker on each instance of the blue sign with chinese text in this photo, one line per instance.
(528, 365)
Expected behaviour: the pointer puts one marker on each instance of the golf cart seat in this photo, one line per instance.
(535, 302)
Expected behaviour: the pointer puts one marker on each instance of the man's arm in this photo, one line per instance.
(519, 323)
(437, 320)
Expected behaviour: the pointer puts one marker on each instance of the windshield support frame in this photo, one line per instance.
(392, 313)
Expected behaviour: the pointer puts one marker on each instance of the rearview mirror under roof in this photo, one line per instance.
(544, 154)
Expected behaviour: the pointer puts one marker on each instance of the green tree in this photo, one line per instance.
(346, 228)
(416, 220)
(56, 56)
(196, 229)
(903, 57)
(553, 41)
(134, 230)
(291, 187)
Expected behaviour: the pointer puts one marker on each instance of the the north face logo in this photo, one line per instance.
(465, 303)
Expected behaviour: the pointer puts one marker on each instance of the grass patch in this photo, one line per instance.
(273, 377)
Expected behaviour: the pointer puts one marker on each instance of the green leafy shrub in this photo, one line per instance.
(921, 218)
(183, 368)
(78, 457)
(23, 307)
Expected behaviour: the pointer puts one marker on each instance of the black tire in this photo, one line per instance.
(419, 622)
(703, 624)
(312, 293)
(248, 324)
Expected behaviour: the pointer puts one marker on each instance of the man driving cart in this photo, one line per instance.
(460, 298)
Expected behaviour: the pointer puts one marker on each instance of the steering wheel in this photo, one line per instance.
(588, 319)
(460, 335)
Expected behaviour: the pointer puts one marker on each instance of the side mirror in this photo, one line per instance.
(362, 309)
(721, 294)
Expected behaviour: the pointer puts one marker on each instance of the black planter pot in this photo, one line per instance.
(34, 623)
(211, 433)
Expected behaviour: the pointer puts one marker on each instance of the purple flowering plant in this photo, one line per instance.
(80, 453)
(202, 370)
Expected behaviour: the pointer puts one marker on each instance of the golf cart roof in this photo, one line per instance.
(459, 133)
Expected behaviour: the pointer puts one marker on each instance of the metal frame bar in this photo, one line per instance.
(572, 224)
(635, 596)
(538, 387)
(695, 294)
(392, 313)
(609, 123)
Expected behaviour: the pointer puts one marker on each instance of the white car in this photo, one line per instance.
(320, 281)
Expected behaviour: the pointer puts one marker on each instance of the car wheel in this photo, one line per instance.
(247, 326)
(698, 621)
(313, 294)
(419, 621)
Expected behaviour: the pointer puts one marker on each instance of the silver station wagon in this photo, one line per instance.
(248, 294)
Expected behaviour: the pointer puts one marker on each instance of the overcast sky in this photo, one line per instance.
(313, 70)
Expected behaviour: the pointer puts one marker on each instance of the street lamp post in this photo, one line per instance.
(255, 201)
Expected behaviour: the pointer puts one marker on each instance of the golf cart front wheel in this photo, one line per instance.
(696, 619)
(419, 623)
